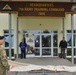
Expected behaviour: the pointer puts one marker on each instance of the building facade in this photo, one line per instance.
(42, 34)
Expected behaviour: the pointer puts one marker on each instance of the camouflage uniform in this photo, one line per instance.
(4, 66)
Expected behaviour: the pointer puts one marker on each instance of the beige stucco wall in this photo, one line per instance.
(3, 22)
(35, 24)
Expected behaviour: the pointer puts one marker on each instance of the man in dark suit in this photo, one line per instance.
(63, 46)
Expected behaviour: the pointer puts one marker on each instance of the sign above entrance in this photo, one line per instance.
(38, 9)
(41, 9)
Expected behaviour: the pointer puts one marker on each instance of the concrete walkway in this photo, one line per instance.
(45, 61)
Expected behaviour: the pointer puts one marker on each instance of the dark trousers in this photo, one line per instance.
(23, 54)
(63, 53)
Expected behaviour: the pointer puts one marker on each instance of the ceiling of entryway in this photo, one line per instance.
(43, 0)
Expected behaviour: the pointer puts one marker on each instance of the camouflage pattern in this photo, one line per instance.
(4, 66)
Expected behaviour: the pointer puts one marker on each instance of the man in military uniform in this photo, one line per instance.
(4, 66)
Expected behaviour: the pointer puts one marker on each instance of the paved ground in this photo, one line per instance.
(45, 61)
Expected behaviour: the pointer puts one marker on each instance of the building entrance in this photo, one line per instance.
(41, 43)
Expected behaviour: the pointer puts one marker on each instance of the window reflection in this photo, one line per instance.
(37, 51)
(69, 52)
(55, 51)
(55, 41)
(37, 41)
(74, 40)
(46, 51)
(46, 41)
(69, 39)
(7, 40)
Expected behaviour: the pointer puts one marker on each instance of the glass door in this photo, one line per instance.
(46, 44)
(37, 45)
(33, 44)
(42, 44)
(55, 44)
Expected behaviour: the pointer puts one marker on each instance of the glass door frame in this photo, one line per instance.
(51, 47)
(40, 34)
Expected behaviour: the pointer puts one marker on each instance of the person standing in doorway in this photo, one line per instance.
(63, 46)
(4, 66)
(23, 46)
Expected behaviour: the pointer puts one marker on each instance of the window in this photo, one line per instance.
(69, 42)
(6, 41)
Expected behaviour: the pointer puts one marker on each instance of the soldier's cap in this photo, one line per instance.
(1, 37)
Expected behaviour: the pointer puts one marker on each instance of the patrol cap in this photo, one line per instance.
(1, 37)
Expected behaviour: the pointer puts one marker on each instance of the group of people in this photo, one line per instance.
(62, 46)
(4, 66)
